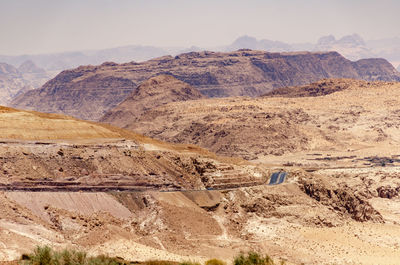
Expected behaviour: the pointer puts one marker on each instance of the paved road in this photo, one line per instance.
(282, 177)
(277, 178)
(274, 178)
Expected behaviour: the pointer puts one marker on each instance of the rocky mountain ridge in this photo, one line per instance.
(88, 92)
(316, 89)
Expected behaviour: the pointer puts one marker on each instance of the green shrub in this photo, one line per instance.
(47, 256)
(214, 262)
(41, 256)
(253, 258)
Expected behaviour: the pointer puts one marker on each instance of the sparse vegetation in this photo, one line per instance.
(189, 263)
(253, 258)
(47, 256)
(215, 262)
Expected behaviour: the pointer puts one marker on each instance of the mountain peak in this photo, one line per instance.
(245, 42)
(248, 42)
(7, 69)
(324, 40)
(30, 67)
(162, 85)
(349, 40)
(354, 40)
(159, 79)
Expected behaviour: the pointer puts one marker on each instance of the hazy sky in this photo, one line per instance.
(43, 26)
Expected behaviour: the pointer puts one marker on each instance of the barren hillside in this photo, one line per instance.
(74, 153)
(88, 92)
(156, 91)
(359, 116)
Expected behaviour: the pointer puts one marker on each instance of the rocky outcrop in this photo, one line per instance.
(88, 92)
(376, 69)
(342, 199)
(320, 88)
(388, 192)
(150, 94)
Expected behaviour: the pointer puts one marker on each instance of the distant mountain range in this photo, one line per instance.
(67, 60)
(353, 47)
(14, 81)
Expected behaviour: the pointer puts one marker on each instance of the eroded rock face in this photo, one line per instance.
(86, 98)
(316, 89)
(342, 199)
(86, 92)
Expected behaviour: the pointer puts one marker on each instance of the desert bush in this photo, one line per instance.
(46, 256)
(159, 262)
(41, 256)
(253, 258)
(104, 260)
(67, 257)
(189, 263)
(214, 262)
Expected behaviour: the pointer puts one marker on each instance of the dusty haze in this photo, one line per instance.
(54, 26)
